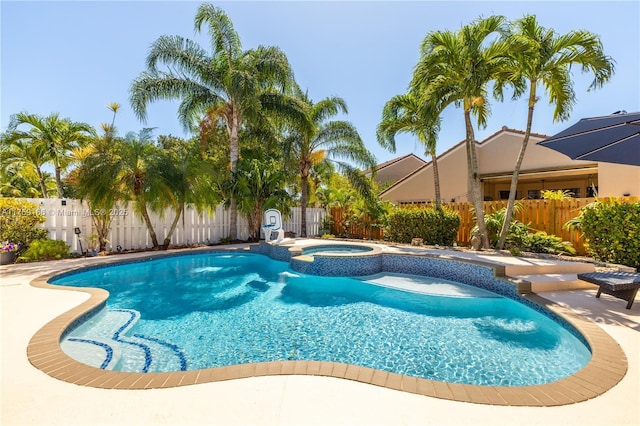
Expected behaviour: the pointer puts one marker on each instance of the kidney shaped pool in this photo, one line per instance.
(208, 310)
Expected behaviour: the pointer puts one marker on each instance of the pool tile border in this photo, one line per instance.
(607, 366)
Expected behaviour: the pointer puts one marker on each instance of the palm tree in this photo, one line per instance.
(327, 141)
(20, 153)
(59, 137)
(260, 184)
(20, 182)
(93, 178)
(186, 175)
(136, 157)
(542, 57)
(229, 84)
(408, 113)
(126, 170)
(457, 68)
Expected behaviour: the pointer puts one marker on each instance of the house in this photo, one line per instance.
(542, 168)
(393, 170)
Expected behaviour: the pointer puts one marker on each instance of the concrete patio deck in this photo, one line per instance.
(31, 397)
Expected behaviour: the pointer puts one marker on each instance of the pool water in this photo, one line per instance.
(208, 310)
(345, 249)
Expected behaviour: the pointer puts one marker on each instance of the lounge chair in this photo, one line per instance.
(623, 285)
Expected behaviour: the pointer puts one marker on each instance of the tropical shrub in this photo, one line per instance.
(45, 250)
(327, 224)
(541, 242)
(19, 220)
(612, 231)
(433, 226)
(521, 238)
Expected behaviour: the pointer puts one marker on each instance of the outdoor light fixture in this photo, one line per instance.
(77, 231)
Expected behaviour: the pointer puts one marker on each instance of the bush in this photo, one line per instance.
(45, 250)
(520, 238)
(433, 226)
(612, 231)
(541, 242)
(19, 220)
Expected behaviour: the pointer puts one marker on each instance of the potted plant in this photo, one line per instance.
(8, 251)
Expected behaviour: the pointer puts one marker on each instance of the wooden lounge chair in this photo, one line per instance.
(623, 285)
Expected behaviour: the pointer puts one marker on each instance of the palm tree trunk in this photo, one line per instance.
(103, 232)
(255, 222)
(167, 239)
(233, 154)
(101, 223)
(436, 180)
(43, 187)
(516, 172)
(147, 221)
(304, 194)
(474, 179)
(59, 182)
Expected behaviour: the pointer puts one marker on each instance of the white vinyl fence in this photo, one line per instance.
(129, 231)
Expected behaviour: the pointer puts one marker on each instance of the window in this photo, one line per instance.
(504, 195)
(533, 194)
(574, 192)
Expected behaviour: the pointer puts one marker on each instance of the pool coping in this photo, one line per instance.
(607, 366)
(298, 251)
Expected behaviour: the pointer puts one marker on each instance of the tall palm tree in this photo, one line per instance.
(409, 114)
(59, 136)
(544, 59)
(457, 67)
(336, 139)
(229, 84)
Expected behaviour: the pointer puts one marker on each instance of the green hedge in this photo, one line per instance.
(612, 231)
(433, 226)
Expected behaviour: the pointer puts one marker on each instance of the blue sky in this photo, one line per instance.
(76, 57)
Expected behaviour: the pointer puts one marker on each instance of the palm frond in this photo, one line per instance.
(224, 38)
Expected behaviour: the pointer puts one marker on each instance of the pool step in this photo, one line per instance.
(540, 266)
(538, 275)
(553, 282)
(105, 342)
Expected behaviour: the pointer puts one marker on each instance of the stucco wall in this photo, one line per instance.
(617, 180)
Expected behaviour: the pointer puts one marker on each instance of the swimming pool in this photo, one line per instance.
(216, 309)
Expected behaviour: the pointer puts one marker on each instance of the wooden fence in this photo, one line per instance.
(129, 231)
(543, 215)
